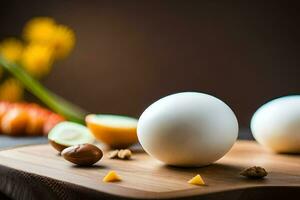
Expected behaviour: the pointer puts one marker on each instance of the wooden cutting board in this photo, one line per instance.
(144, 177)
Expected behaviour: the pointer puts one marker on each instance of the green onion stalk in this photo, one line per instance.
(54, 102)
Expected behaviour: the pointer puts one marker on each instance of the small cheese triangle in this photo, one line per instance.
(196, 180)
(111, 176)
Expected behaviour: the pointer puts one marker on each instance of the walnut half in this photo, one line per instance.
(113, 154)
(255, 172)
(124, 154)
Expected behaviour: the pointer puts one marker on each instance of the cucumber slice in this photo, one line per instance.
(66, 134)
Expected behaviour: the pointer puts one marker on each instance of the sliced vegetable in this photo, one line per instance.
(66, 134)
(114, 130)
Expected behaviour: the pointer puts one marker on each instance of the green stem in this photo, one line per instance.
(53, 101)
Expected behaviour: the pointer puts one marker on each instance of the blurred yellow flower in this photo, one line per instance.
(45, 31)
(37, 60)
(63, 41)
(11, 90)
(11, 49)
(39, 29)
(44, 42)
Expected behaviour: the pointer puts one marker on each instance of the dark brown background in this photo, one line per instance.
(131, 53)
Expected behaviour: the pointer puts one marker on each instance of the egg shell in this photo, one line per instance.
(187, 129)
(276, 124)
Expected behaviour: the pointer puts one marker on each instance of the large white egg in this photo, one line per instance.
(276, 124)
(187, 129)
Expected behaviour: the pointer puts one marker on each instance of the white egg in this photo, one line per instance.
(276, 124)
(187, 129)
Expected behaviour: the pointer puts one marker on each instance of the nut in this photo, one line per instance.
(124, 154)
(255, 172)
(83, 154)
(113, 154)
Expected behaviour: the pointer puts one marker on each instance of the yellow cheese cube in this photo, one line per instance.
(196, 180)
(111, 176)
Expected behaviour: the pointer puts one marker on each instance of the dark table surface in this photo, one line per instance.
(9, 142)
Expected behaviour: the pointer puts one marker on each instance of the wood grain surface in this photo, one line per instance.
(144, 177)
